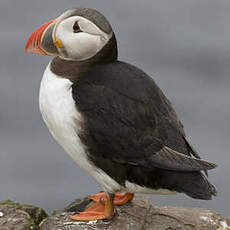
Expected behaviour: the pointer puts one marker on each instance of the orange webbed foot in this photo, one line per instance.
(97, 211)
(119, 198)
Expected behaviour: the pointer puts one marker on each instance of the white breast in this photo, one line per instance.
(60, 114)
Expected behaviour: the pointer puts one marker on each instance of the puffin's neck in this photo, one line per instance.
(73, 69)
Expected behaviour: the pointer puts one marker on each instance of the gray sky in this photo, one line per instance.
(184, 45)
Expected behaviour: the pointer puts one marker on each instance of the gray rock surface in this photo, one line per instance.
(137, 215)
(15, 216)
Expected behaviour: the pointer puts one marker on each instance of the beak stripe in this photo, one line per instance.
(33, 44)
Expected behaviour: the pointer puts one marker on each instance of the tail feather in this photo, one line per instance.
(204, 190)
(193, 184)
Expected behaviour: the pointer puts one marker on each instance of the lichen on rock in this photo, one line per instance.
(15, 216)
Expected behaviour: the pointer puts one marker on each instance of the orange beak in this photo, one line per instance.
(34, 42)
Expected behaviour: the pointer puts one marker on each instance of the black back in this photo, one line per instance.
(124, 105)
(127, 119)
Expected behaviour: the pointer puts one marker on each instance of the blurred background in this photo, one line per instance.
(183, 45)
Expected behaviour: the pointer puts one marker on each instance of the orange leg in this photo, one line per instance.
(98, 211)
(119, 198)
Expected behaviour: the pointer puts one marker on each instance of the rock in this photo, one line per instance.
(15, 216)
(139, 215)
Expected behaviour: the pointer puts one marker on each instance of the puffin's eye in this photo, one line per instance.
(76, 28)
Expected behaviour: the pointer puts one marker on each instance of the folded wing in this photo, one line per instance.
(169, 159)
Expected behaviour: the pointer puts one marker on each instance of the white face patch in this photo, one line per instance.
(81, 45)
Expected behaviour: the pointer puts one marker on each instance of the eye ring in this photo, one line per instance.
(76, 28)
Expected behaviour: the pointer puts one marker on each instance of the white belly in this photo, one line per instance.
(60, 114)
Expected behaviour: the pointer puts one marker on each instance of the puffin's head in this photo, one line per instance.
(78, 34)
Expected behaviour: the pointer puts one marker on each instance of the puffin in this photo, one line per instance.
(111, 117)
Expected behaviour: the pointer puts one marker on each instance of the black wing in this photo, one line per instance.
(129, 120)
